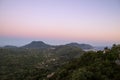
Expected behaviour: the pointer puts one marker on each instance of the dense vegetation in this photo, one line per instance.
(60, 63)
(34, 64)
(101, 65)
(18, 64)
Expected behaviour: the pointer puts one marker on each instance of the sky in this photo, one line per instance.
(96, 22)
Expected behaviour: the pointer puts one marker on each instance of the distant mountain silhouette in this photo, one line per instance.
(37, 44)
(82, 46)
(42, 45)
(10, 46)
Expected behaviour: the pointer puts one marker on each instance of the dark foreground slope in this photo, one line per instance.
(59, 63)
(34, 63)
(101, 65)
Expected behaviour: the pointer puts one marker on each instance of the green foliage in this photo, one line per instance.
(68, 51)
(92, 66)
(35, 64)
(19, 64)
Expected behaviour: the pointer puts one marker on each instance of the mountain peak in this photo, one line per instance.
(82, 46)
(37, 44)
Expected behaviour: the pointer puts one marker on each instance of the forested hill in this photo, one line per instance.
(37, 44)
(34, 63)
(43, 45)
(82, 46)
(64, 62)
(101, 65)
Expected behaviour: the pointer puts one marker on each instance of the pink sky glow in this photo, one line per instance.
(74, 20)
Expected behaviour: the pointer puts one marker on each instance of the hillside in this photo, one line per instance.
(10, 46)
(43, 45)
(82, 46)
(34, 63)
(101, 65)
(63, 62)
(37, 44)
